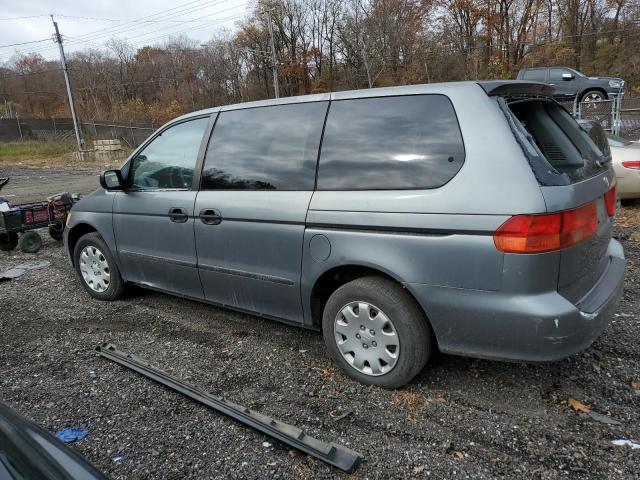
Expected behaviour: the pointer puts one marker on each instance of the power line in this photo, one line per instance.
(204, 25)
(107, 31)
(110, 31)
(102, 19)
(20, 18)
(25, 43)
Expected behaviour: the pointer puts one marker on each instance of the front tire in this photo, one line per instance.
(593, 96)
(376, 332)
(96, 268)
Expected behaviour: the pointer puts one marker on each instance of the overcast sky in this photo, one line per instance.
(141, 22)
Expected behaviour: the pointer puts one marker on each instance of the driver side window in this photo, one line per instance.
(169, 160)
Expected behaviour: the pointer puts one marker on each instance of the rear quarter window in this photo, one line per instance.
(533, 75)
(390, 143)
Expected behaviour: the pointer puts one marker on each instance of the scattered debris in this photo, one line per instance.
(451, 450)
(336, 415)
(598, 417)
(620, 443)
(635, 384)
(15, 272)
(116, 458)
(302, 351)
(266, 444)
(418, 469)
(578, 406)
(71, 434)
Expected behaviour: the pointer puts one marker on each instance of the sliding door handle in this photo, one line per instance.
(178, 215)
(210, 216)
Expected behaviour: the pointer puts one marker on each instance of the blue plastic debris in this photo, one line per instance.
(116, 458)
(71, 434)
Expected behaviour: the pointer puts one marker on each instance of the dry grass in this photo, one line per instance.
(412, 402)
(34, 153)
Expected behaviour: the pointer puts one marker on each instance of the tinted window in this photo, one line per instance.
(390, 143)
(265, 148)
(168, 161)
(534, 75)
(555, 74)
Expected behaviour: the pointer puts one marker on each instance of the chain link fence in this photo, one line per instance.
(131, 134)
(620, 116)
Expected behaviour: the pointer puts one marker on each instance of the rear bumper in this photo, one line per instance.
(628, 186)
(527, 327)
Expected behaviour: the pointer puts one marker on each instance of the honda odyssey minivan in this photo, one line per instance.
(471, 217)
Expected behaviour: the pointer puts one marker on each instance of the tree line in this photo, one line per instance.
(330, 45)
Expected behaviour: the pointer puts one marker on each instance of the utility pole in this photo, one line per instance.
(63, 61)
(274, 62)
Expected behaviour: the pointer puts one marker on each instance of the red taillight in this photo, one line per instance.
(610, 201)
(634, 164)
(547, 232)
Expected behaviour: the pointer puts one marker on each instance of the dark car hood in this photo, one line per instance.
(606, 78)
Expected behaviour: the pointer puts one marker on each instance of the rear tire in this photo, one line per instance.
(376, 332)
(96, 268)
(30, 242)
(8, 241)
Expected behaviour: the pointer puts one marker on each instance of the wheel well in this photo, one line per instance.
(74, 235)
(333, 279)
(594, 89)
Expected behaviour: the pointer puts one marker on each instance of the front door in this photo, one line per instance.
(153, 217)
(565, 88)
(257, 182)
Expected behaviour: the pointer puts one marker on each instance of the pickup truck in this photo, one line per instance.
(569, 83)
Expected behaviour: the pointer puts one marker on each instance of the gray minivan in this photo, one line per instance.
(472, 217)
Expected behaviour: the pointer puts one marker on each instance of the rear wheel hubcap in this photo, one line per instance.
(366, 338)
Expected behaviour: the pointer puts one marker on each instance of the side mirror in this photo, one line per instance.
(567, 76)
(111, 180)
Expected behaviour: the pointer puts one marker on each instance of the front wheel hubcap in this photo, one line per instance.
(366, 338)
(95, 269)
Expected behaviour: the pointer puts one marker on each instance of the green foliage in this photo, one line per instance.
(32, 149)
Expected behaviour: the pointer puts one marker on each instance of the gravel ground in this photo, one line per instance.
(461, 418)
(33, 184)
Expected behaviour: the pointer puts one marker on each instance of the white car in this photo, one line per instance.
(626, 164)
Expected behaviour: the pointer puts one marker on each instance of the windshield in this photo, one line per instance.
(616, 141)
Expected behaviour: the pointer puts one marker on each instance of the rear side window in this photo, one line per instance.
(265, 148)
(534, 75)
(390, 143)
(554, 135)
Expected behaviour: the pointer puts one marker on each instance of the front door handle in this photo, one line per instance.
(210, 216)
(178, 215)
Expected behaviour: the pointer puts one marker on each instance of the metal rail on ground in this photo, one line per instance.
(331, 453)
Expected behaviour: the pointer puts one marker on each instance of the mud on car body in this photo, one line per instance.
(472, 217)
